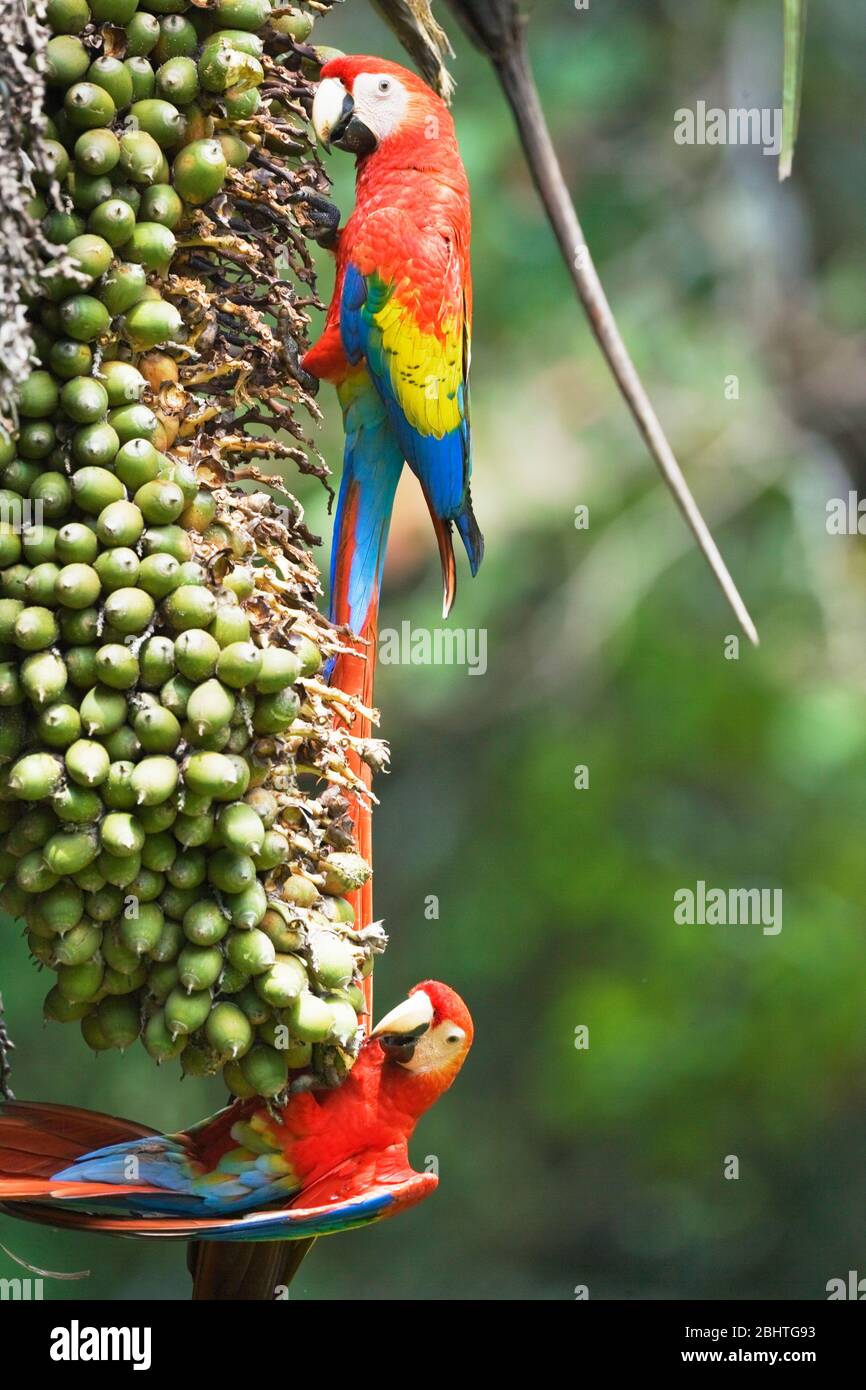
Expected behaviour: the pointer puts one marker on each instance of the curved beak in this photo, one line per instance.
(333, 109)
(335, 122)
(399, 1030)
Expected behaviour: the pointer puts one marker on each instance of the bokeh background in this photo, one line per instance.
(604, 1167)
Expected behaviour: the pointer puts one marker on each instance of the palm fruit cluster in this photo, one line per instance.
(175, 827)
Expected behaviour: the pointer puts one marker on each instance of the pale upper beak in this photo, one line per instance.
(332, 109)
(409, 1019)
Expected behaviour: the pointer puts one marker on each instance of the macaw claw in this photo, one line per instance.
(319, 219)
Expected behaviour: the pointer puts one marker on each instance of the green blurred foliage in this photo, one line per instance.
(606, 648)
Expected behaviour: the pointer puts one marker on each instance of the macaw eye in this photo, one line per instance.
(384, 86)
(453, 1038)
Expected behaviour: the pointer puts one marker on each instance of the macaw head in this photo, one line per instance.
(363, 104)
(427, 1037)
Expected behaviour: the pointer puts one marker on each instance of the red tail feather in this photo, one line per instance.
(38, 1139)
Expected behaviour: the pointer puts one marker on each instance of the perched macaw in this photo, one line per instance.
(397, 335)
(328, 1161)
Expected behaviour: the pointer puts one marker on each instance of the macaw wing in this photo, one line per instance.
(366, 1188)
(412, 326)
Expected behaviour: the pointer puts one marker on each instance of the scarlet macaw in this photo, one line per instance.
(396, 341)
(328, 1161)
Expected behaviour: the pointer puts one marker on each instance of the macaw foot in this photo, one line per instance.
(319, 219)
(292, 353)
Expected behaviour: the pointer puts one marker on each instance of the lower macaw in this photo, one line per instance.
(396, 342)
(327, 1161)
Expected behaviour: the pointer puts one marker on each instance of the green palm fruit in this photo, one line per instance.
(67, 16)
(239, 664)
(97, 151)
(11, 690)
(43, 677)
(177, 80)
(66, 61)
(196, 654)
(80, 983)
(158, 730)
(129, 610)
(230, 625)
(240, 828)
(35, 628)
(68, 358)
(113, 11)
(119, 1019)
(38, 396)
(152, 323)
(103, 905)
(309, 1018)
(134, 421)
(193, 830)
(154, 780)
(117, 955)
(76, 543)
(77, 586)
(159, 817)
(231, 872)
(103, 711)
(250, 951)
(159, 852)
(87, 762)
(123, 382)
(199, 967)
(157, 1039)
(189, 606)
(141, 931)
(91, 1032)
(147, 885)
(117, 568)
(274, 714)
(236, 1083)
(160, 501)
(40, 582)
(171, 939)
(247, 908)
(34, 874)
(205, 924)
(94, 488)
(113, 982)
(229, 1031)
(37, 438)
(143, 78)
(156, 658)
(280, 985)
(116, 791)
(89, 190)
(280, 668)
(87, 105)
(35, 776)
(199, 170)
(57, 1009)
(265, 1069)
(114, 221)
(81, 667)
(142, 35)
(162, 979)
(76, 805)
(115, 79)
(121, 288)
(78, 945)
(84, 318)
(169, 540)
(162, 205)
(210, 707)
(333, 960)
(275, 850)
(121, 834)
(140, 156)
(240, 582)
(84, 400)
(59, 725)
(116, 666)
(186, 1013)
(160, 119)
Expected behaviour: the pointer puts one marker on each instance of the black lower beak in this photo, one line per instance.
(399, 1049)
(350, 133)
